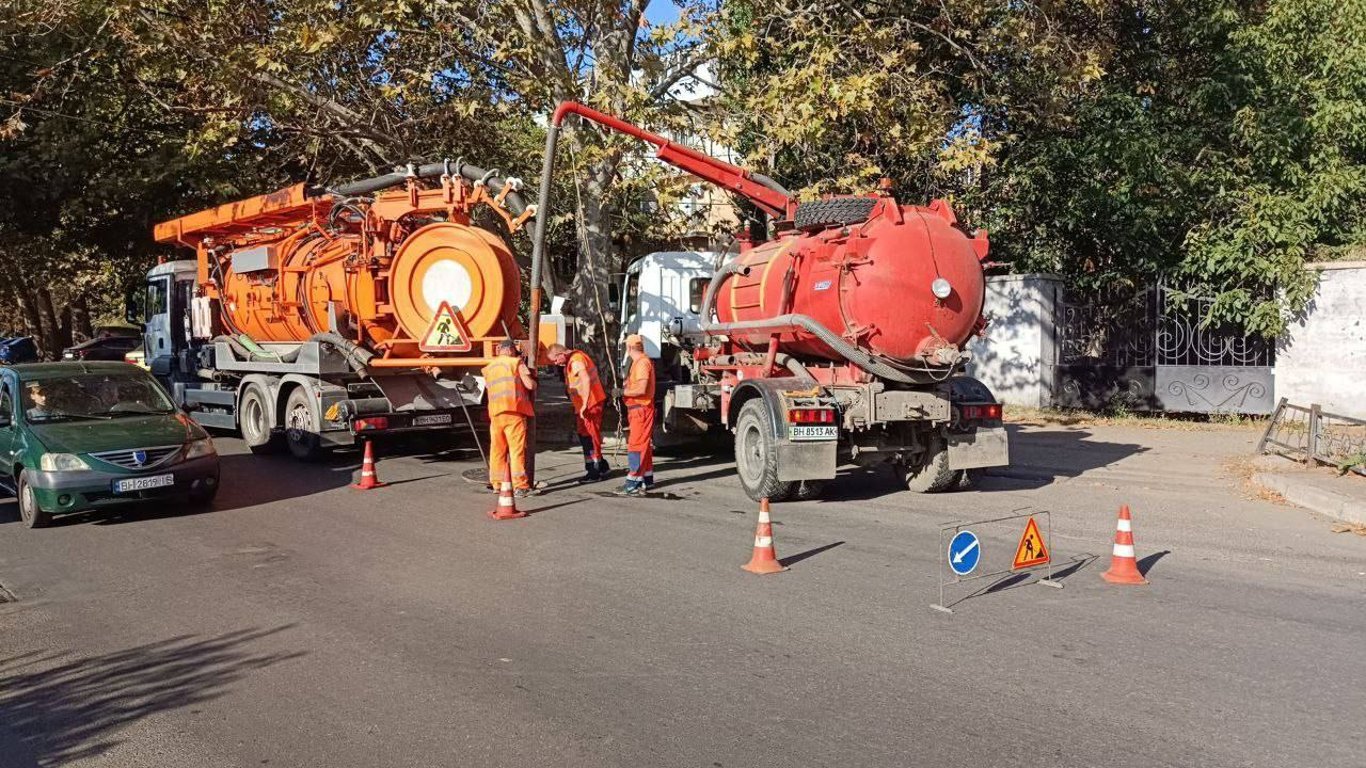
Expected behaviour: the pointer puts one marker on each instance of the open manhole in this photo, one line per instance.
(6, 596)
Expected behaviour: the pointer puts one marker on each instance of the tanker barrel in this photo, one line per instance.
(846, 350)
(471, 173)
(714, 285)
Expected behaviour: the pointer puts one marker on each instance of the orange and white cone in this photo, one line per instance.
(507, 505)
(1123, 566)
(368, 479)
(765, 558)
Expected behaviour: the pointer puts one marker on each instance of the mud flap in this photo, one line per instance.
(982, 447)
(814, 460)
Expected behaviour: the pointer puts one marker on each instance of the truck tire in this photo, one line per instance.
(253, 418)
(839, 211)
(302, 422)
(30, 513)
(932, 473)
(756, 454)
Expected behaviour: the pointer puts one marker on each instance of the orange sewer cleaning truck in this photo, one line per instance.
(312, 315)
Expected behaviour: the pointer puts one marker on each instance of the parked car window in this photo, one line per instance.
(632, 296)
(93, 396)
(6, 403)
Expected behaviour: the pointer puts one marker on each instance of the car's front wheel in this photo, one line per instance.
(29, 511)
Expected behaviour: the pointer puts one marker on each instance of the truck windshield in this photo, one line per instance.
(93, 396)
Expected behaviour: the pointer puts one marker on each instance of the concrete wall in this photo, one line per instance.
(1322, 358)
(1016, 358)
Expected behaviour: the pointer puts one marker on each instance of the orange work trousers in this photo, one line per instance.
(640, 449)
(590, 432)
(507, 446)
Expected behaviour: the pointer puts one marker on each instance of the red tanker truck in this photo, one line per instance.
(312, 314)
(835, 335)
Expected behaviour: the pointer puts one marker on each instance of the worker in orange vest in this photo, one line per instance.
(639, 396)
(587, 396)
(509, 383)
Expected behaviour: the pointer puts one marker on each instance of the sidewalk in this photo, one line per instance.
(1318, 489)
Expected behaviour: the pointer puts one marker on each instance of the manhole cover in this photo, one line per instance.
(6, 596)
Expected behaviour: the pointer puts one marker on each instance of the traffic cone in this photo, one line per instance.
(507, 505)
(368, 479)
(764, 559)
(1123, 566)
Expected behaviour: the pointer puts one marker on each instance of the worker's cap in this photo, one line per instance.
(634, 340)
(507, 344)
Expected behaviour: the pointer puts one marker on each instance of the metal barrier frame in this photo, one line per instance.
(1318, 432)
(954, 528)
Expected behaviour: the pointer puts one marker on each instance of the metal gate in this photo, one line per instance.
(1152, 351)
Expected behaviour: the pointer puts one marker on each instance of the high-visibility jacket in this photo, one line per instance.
(505, 389)
(642, 370)
(574, 382)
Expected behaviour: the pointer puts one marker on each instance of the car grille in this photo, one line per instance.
(150, 457)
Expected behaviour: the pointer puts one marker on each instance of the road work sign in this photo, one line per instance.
(965, 551)
(447, 333)
(1031, 550)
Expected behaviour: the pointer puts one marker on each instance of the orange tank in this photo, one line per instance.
(286, 266)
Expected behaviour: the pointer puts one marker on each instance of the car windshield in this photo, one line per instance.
(93, 396)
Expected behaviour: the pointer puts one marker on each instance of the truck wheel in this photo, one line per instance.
(809, 489)
(29, 511)
(932, 473)
(756, 455)
(253, 417)
(301, 426)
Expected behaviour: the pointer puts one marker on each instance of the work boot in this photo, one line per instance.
(523, 493)
(604, 469)
(591, 474)
(632, 488)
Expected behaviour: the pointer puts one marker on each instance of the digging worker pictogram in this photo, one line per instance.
(510, 383)
(586, 394)
(639, 396)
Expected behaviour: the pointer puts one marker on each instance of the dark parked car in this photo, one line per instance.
(103, 348)
(20, 349)
(77, 436)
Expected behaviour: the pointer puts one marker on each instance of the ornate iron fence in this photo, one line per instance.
(1314, 436)
(1153, 349)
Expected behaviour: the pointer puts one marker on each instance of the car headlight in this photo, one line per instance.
(199, 448)
(61, 462)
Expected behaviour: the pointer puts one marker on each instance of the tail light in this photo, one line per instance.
(370, 423)
(811, 416)
(984, 412)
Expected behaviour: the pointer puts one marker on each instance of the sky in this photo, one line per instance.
(661, 12)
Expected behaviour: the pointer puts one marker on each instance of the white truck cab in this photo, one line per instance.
(661, 296)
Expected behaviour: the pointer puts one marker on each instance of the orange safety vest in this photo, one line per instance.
(505, 389)
(572, 382)
(641, 370)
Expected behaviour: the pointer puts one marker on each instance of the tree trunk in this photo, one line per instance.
(51, 331)
(598, 266)
(80, 318)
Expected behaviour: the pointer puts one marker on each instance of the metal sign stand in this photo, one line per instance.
(954, 528)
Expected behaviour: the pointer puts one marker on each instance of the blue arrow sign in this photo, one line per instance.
(965, 551)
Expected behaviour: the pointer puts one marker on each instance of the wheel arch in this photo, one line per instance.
(768, 390)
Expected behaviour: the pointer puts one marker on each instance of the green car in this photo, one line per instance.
(79, 436)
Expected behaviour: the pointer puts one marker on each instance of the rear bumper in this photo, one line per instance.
(60, 492)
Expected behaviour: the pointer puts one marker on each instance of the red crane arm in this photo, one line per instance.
(704, 167)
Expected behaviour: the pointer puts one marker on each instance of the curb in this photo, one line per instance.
(1303, 491)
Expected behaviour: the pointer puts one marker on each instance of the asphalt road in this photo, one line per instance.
(305, 624)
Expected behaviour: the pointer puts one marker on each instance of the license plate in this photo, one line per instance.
(143, 483)
(432, 418)
(830, 432)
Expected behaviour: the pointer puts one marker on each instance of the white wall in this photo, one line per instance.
(1016, 358)
(1322, 358)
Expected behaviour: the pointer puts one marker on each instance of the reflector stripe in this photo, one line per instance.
(763, 541)
(763, 516)
(507, 486)
(1124, 550)
(504, 501)
(1125, 525)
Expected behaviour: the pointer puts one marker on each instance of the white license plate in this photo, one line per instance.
(143, 483)
(829, 432)
(431, 418)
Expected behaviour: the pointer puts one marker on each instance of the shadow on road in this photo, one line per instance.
(800, 556)
(1146, 563)
(55, 715)
(1040, 457)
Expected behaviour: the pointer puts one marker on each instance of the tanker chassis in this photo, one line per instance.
(837, 334)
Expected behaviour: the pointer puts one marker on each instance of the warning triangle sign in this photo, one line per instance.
(1032, 550)
(447, 333)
